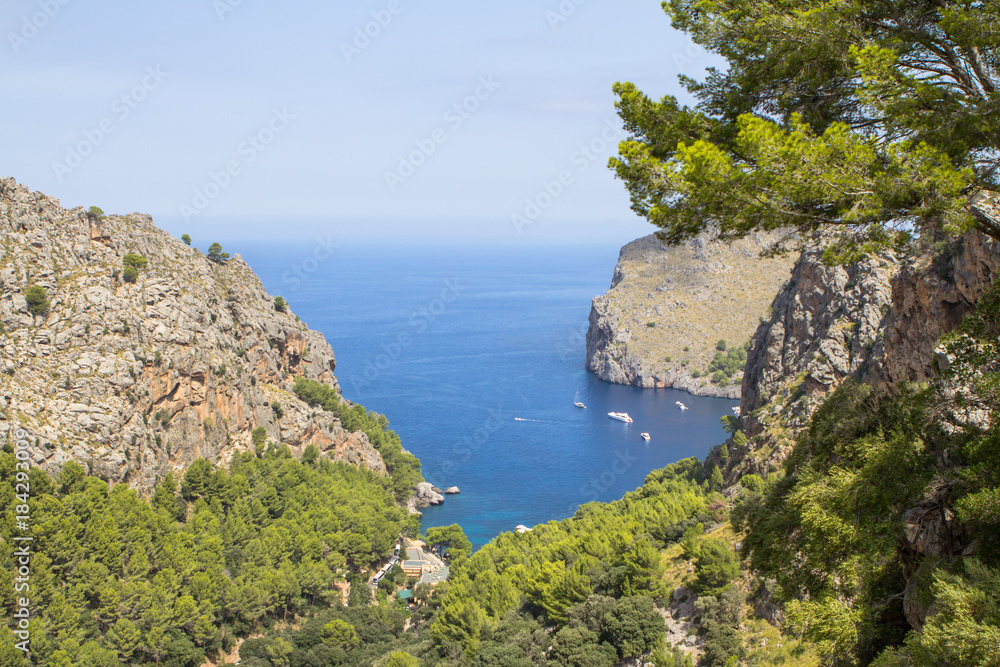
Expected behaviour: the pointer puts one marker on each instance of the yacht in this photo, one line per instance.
(681, 406)
(577, 403)
(645, 436)
(621, 416)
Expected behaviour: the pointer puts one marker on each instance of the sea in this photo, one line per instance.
(476, 355)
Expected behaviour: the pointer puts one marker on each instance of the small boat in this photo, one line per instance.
(518, 419)
(621, 416)
(577, 403)
(645, 436)
(736, 411)
(681, 406)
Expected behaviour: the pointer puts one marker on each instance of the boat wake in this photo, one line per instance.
(522, 419)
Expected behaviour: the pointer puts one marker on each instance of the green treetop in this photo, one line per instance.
(215, 253)
(866, 120)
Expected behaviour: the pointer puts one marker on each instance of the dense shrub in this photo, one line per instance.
(38, 300)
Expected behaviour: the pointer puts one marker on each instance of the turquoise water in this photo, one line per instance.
(453, 344)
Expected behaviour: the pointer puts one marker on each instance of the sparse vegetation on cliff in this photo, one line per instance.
(403, 467)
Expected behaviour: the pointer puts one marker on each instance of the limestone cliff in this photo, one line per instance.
(879, 321)
(135, 379)
(659, 324)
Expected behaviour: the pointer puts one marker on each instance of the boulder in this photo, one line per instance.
(425, 495)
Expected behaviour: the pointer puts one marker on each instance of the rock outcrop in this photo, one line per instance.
(879, 321)
(425, 496)
(135, 379)
(659, 324)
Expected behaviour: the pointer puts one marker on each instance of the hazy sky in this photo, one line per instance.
(266, 119)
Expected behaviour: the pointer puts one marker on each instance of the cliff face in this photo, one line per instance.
(879, 321)
(659, 324)
(137, 379)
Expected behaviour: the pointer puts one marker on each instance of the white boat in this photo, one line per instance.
(681, 406)
(736, 411)
(577, 403)
(645, 436)
(621, 416)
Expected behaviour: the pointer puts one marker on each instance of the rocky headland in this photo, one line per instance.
(135, 379)
(668, 307)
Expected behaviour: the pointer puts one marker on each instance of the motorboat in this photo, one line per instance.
(681, 406)
(736, 411)
(621, 416)
(645, 436)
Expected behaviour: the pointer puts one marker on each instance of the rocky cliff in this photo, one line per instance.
(668, 307)
(879, 321)
(136, 379)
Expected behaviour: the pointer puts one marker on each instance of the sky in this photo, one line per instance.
(375, 120)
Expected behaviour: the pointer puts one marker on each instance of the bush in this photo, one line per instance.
(650, 324)
(715, 567)
(96, 210)
(280, 304)
(721, 345)
(38, 300)
(186, 239)
(278, 412)
(130, 274)
(132, 259)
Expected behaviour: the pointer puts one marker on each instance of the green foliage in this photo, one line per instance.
(402, 659)
(115, 575)
(276, 408)
(866, 460)
(965, 626)
(186, 239)
(280, 305)
(130, 274)
(721, 345)
(715, 567)
(563, 570)
(721, 617)
(728, 364)
(215, 253)
(579, 647)
(38, 300)
(96, 210)
(134, 260)
(452, 540)
(716, 480)
(403, 467)
(853, 119)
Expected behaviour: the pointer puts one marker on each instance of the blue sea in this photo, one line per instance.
(476, 355)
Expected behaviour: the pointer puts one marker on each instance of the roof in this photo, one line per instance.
(405, 595)
(413, 564)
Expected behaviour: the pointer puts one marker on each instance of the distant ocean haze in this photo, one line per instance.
(476, 356)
